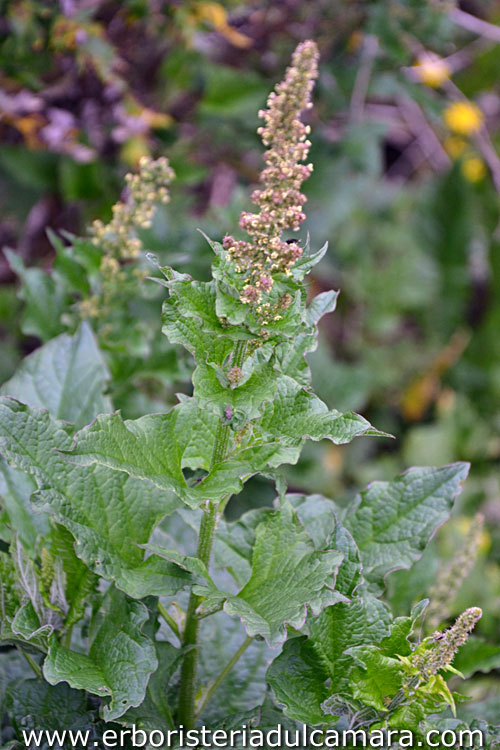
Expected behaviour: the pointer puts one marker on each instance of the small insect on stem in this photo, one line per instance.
(228, 413)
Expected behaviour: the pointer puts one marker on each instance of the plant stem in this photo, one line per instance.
(187, 689)
(169, 620)
(34, 666)
(227, 669)
(66, 640)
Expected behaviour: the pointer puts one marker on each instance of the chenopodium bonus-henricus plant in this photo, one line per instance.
(294, 576)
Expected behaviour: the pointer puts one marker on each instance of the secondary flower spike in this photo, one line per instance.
(279, 198)
(451, 577)
(447, 644)
(118, 238)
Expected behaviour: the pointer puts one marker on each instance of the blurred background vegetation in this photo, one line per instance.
(405, 131)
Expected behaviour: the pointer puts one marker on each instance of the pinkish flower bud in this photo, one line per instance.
(250, 295)
(265, 282)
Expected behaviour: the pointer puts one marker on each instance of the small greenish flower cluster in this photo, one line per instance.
(280, 200)
(450, 577)
(118, 238)
(445, 645)
(234, 376)
(89, 307)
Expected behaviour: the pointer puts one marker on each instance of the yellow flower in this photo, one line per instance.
(464, 118)
(432, 70)
(473, 168)
(454, 146)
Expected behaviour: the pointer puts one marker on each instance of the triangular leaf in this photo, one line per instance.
(393, 521)
(289, 576)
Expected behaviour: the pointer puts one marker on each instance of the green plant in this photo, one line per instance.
(130, 513)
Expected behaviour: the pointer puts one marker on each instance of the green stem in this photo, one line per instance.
(227, 669)
(169, 620)
(34, 666)
(187, 689)
(221, 445)
(66, 639)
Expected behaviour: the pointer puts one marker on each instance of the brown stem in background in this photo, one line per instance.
(423, 132)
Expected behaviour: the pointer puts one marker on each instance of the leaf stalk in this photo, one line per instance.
(34, 666)
(222, 676)
(169, 620)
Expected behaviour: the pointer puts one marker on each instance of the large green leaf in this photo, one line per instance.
(119, 662)
(160, 446)
(376, 678)
(299, 675)
(392, 522)
(234, 542)
(164, 447)
(35, 704)
(108, 513)
(289, 576)
(295, 414)
(299, 681)
(155, 712)
(364, 619)
(67, 375)
(314, 668)
(317, 515)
